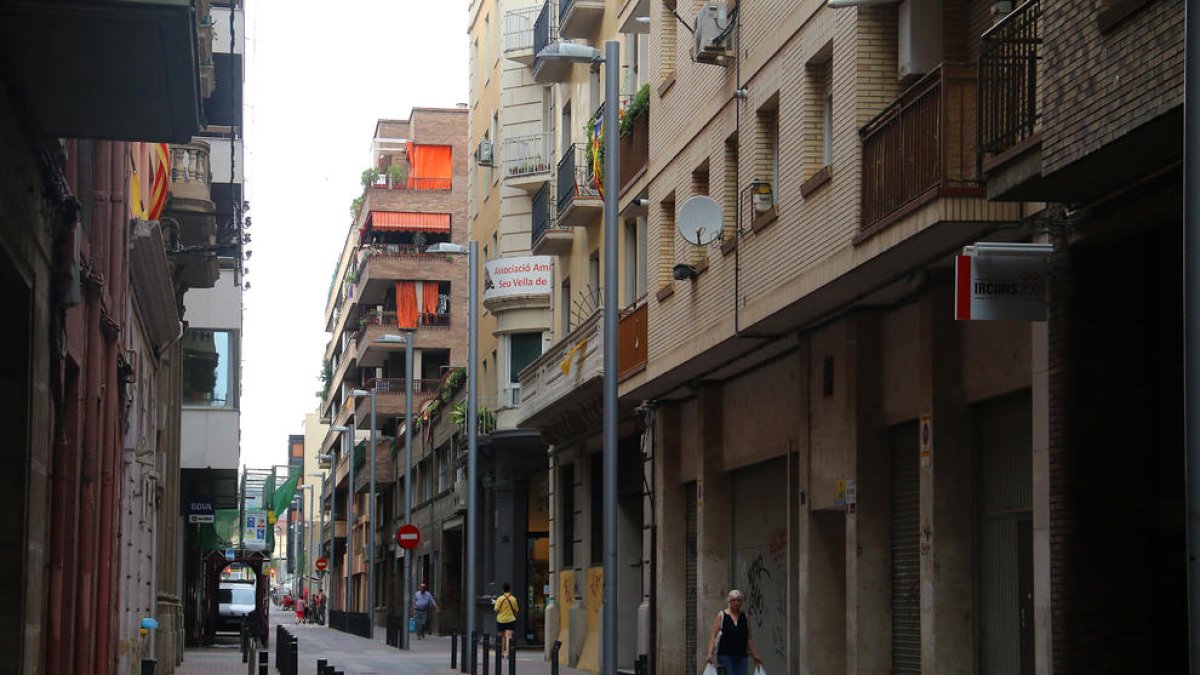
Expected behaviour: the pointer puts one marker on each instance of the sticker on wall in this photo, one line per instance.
(926, 432)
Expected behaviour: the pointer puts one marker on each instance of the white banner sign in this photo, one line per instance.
(528, 276)
(1000, 287)
(254, 531)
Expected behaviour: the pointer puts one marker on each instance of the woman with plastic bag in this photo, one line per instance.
(731, 646)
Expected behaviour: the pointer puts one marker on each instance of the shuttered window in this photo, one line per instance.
(690, 580)
(906, 551)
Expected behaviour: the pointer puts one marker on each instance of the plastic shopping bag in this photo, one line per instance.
(710, 669)
(759, 670)
(412, 624)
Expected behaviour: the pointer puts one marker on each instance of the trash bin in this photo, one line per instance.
(148, 666)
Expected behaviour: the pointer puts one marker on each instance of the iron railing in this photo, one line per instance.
(542, 35)
(543, 215)
(919, 144)
(528, 155)
(395, 385)
(564, 8)
(518, 28)
(417, 183)
(575, 177)
(1008, 72)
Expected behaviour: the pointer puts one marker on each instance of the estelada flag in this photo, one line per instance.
(158, 190)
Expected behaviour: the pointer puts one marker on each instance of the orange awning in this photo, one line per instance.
(410, 221)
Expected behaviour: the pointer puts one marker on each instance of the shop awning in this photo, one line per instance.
(410, 221)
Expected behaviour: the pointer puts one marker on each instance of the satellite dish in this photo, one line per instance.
(699, 221)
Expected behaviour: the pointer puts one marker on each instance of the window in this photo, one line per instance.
(596, 500)
(767, 147)
(666, 241)
(523, 349)
(666, 45)
(565, 130)
(443, 461)
(630, 291)
(564, 303)
(818, 112)
(729, 194)
(594, 294)
(210, 368)
(567, 514)
(641, 257)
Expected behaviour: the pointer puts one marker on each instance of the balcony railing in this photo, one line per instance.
(191, 174)
(518, 28)
(920, 146)
(542, 218)
(575, 177)
(394, 386)
(1008, 70)
(390, 320)
(528, 155)
(414, 183)
(542, 34)
(635, 150)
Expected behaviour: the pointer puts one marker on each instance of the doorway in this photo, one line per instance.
(14, 485)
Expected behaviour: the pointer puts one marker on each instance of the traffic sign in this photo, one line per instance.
(321, 564)
(408, 536)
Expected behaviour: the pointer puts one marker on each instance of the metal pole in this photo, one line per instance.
(350, 518)
(1191, 320)
(608, 629)
(406, 596)
(333, 518)
(371, 530)
(472, 440)
(321, 537)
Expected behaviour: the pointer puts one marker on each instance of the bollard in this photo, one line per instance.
(263, 665)
(453, 651)
(499, 654)
(244, 641)
(474, 654)
(294, 661)
(322, 666)
(512, 661)
(486, 646)
(554, 657)
(278, 642)
(462, 662)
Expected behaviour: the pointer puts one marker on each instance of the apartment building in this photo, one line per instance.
(892, 490)
(386, 283)
(512, 134)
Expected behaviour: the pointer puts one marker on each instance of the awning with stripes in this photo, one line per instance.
(409, 221)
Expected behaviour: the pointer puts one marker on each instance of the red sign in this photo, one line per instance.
(321, 564)
(408, 536)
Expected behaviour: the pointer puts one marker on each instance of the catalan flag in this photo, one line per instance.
(158, 190)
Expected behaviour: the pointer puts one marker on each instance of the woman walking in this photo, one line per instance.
(731, 643)
(506, 616)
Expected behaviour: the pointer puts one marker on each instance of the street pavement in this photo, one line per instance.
(351, 654)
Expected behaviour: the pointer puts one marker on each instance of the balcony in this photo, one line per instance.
(190, 206)
(632, 351)
(385, 466)
(118, 70)
(578, 199)
(579, 18)
(544, 35)
(381, 266)
(920, 148)
(547, 236)
(518, 33)
(635, 152)
(1009, 133)
(528, 160)
(372, 327)
(389, 399)
(560, 390)
(412, 183)
(338, 527)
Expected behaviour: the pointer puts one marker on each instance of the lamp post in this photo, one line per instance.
(318, 538)
(359, 393)
(340, 430)
(305, 519)
(576, 53)
(406, 574)
(472, 252)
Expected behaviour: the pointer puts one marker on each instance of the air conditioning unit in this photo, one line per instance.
(460, 495)
(483, 153)
(919, 45)
(712, 33)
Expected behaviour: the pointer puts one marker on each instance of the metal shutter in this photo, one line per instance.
(690, 581)
(906, 552)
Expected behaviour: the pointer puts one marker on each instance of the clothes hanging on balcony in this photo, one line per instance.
(432, 166)
(429, 299)
(406, 304)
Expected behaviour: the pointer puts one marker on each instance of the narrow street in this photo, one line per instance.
(350, 654)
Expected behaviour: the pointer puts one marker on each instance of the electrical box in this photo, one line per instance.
(920, 39)
(483, 153)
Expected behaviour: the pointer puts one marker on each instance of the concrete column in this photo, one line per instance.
(669, 556)
(868, 527)
(1040, 395)
(947, 581)
(714, 522)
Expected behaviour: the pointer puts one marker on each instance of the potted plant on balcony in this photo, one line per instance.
(639, 106)
(397, 175)
(369, 177)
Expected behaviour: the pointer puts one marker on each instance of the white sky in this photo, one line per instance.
(318, 75)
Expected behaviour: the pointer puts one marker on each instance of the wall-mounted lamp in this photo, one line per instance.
(683, 272)
(763, 196)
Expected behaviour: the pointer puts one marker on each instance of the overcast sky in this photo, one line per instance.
(318, 75)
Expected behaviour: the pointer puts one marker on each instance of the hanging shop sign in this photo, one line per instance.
(525, 276)
(254, 534)
(997, 282)
(199, 510)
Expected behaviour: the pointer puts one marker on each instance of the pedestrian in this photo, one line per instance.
(321, 608)
(731, 643)
(506, 610)
(422, 602)
(299, 606)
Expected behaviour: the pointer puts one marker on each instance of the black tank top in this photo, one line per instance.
(734, 636)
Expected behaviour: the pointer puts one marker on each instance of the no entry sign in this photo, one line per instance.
(321, 564)
(408, 536)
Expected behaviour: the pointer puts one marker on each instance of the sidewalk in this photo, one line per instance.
(362, 656)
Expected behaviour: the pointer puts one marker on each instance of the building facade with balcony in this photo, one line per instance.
(387, 284)
(561, 388)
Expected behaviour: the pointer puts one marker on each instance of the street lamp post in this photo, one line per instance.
(342, 431)
(406, 575)
(319, 536)
(472, 251)
(358, 393)
(576, 53)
